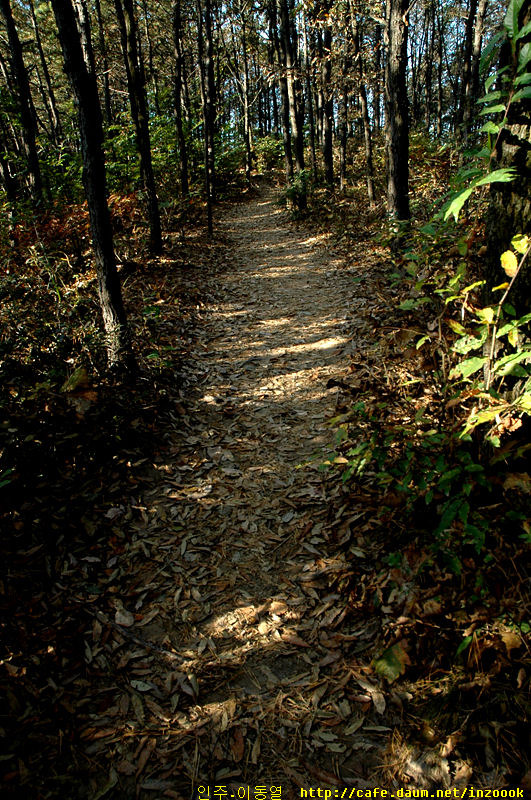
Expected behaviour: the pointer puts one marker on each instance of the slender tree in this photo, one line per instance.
(139, 112)
(27, 117)
(397, 117)
(85, 90)
(178, 90)
(208, 91)
(510, 203)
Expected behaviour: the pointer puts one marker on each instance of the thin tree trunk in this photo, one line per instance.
(51, 103)
(309, 95)
(472, 90)
(510, 203)
(151, 64)
(27, 117)
(103, 49)
(378, 80)
(91, 132)
(208, 88)
(177, 97)
(328, 107)
(343, 135)
(362, 95)
(397, 117)
(83, 22)
(283, 84)
(288, 53)
(139, 113)
(247, 132)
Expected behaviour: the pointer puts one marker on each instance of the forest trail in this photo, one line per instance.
(236, 582)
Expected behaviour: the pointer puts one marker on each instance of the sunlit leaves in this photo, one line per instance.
(521, 243)
(497, 176)
(467, 368)
(509, 263)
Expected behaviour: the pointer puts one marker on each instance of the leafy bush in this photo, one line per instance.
(269, 153)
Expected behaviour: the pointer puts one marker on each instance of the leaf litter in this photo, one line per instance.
(205, 634)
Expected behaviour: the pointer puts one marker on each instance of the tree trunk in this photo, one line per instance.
(103, 49)
(472, 88)
(343, 136)
(397, 118)
(378, 77)
(178, 95)
(27, 118)
(362, 93)
(151, 64)
(247, 131)
(328, 107)
(283, 85)
(208, 87)
(51, 103)
(139, 113)
(309, 95)
(510, 203)
(91, 132)
(293, 89)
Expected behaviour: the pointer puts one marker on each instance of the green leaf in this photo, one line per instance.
(505, 365)
(457, 204)
(497, 109)
(497, 176)
(490, 127)
(523, 32)
(522, 94)
(489, 51)
(491, 96)
(489, 82)
(486, 314)
(524, 57)
(392, 663)
(409, 305)
(511, 18)
(522, 79)
(486, 415)
(520, 242)
(464, 644)
(467, 368)
(468, 343)
(456, 327)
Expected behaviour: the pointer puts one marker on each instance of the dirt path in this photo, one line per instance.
(234, 568)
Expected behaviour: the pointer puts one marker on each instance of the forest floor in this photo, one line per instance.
(216, 646)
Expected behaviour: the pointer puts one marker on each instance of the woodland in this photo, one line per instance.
(265, 366)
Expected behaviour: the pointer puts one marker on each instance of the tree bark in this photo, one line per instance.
(283, 85)
(293, 88)
(397, 117)
(105, 61)
(178, 95)
(85, 89)
(510, 203)
(328, 106)
(51, 103)
(27, 117)
(139, 113)
(208, 91)
(362, 94)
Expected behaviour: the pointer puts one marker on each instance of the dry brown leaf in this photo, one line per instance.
(237, 744)
(145, 755)
(292, 638)
(511, 640)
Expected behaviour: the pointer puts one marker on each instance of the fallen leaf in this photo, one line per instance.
(392, 663)
(237, 744)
